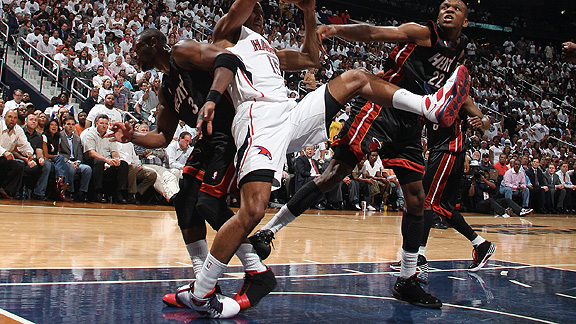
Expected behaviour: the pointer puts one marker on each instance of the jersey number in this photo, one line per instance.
(275, 64)
(437, 80)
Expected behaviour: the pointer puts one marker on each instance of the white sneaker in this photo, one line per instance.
(443, 106)
(212, 305)
(526, 211)
(370, 208)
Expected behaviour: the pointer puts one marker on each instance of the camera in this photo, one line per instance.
(478, 174)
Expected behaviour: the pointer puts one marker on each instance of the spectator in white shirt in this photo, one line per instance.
(139, 178)
(12, 140)
(177, 152)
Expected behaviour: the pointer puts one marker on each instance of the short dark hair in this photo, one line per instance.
(148, 33)
(101, 116)
(183, 134)
(69, 118)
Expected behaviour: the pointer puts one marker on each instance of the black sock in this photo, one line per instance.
(304, 198)
(428, 220)
(459, 223)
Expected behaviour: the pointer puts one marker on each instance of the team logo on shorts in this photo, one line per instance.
(264, 151)
(374, 145)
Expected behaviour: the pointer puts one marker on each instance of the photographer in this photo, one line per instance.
(481, 192)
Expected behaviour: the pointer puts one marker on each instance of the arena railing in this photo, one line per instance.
(527, 86)
(76, 87)
(40, 64)
(560, 103)
(4, 31)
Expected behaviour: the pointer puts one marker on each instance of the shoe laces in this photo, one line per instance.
(266, 237)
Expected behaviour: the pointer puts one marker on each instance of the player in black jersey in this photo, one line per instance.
(445, 167)
(426, 59)
(209, 172)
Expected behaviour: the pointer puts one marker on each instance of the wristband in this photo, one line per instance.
(213, 96)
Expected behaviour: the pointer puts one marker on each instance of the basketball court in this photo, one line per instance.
(105, 263)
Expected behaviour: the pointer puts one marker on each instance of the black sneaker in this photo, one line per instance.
(256, 286)
(421, 264)
(409, 290)
(481, 254)
(261, 241)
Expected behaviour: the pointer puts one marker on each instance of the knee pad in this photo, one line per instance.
(214, 210)
(412, 231)
(185, 203)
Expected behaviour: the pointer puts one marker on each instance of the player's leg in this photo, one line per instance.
(447, 169)
(407, 287)
(441, 107)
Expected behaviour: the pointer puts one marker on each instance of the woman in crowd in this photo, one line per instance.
(51, 145)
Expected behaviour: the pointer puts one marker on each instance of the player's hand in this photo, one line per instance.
(123, 132)
(569, 51)
(309, 5)
(475, 122)
(325, 31)
(205, 115)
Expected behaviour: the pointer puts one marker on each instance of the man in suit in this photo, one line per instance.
(551, 180)
(71, 149)
(565, 185)
(306, 169)
(536, 177)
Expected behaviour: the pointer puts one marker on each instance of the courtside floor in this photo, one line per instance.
(72, 265)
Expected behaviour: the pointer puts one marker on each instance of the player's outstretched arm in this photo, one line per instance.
(291, 60)
(229, 24)
(404, 33)
(192, 55)
(167, 122)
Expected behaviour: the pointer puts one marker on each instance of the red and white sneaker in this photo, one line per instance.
(170, 299)
(256, 286)
(443, 106)
(213, 305)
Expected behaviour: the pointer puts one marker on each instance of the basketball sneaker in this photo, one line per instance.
(170, 299)
(481, 254)
(262, 242)
(443, 106)
(256, 286)
(213, 305)
(421, 264)
(526, 211)
(409, 290)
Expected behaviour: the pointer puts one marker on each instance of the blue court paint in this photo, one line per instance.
(306, 293)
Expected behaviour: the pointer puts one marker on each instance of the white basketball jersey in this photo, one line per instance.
(260, 79)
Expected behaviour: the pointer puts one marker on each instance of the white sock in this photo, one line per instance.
(422, 250)
(478, 240)
(198, 251)
(407, 101)
(250, 260)
(408, 268)
(282, 218)
(208, 277)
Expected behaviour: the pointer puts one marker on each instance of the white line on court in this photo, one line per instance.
(14, 317)
(392, 298)
(520, 283)
(456, 278)
(567, 296)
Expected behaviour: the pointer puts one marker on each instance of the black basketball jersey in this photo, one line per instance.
(185, 92)
(451, 139)
(424, 70)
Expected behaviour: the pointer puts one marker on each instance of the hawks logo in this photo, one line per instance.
(264, 151)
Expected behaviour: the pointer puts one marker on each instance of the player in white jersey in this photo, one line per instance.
(267, 125)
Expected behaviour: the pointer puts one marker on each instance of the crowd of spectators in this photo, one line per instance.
(524, 87)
